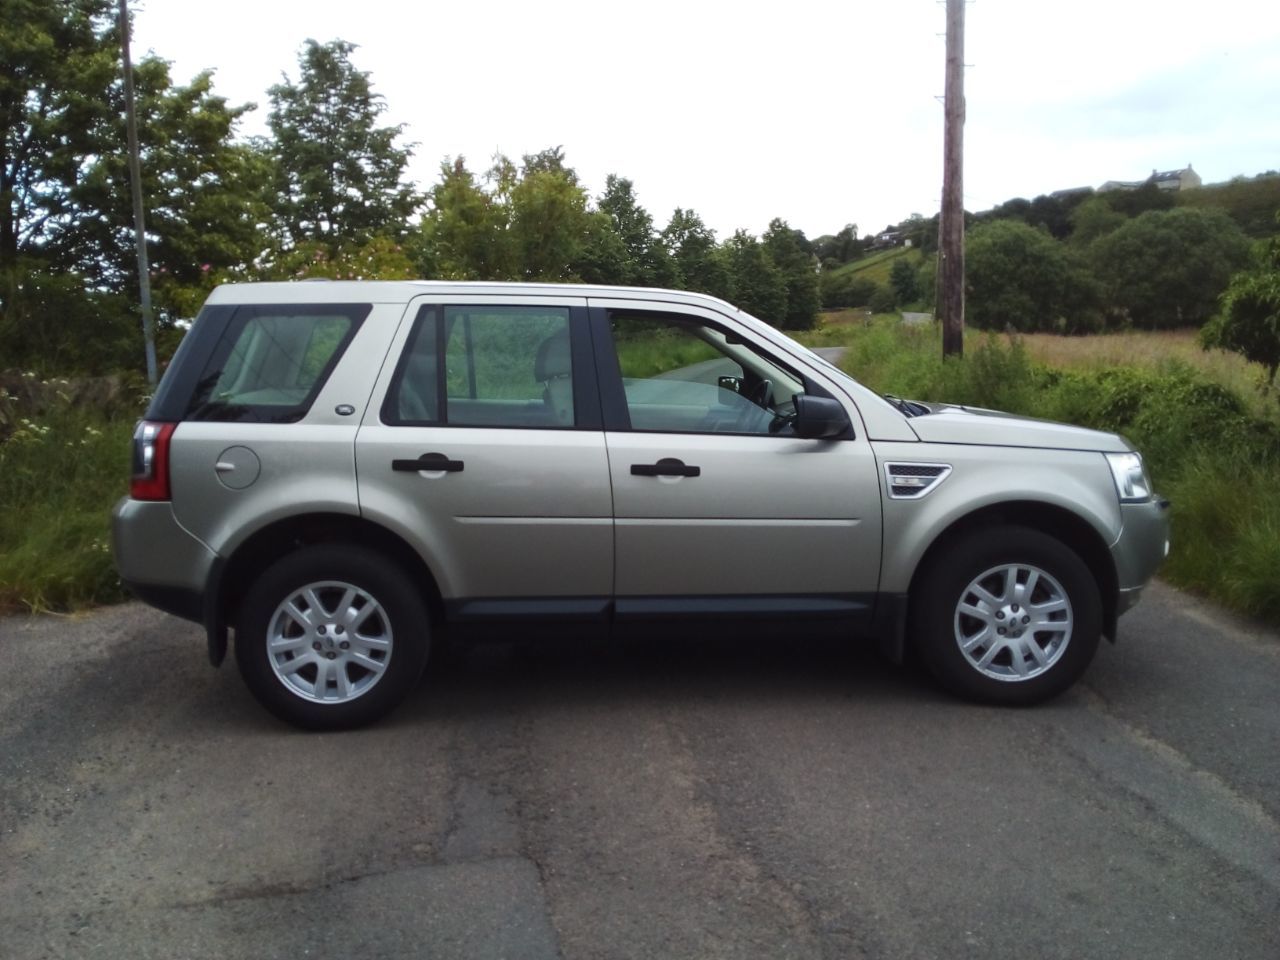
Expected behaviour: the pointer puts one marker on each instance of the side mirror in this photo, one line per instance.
(729, 385)
(818, 418)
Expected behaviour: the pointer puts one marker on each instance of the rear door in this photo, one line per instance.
(484, 449)
(719, 508)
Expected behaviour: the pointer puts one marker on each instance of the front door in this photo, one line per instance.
(719, 508)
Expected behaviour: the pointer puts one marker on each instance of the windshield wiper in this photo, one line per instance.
(903, 406)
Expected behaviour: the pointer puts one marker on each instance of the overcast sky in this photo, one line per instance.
(822, 113)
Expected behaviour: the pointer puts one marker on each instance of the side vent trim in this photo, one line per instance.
(911, 481)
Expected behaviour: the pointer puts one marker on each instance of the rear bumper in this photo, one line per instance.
(159, 562)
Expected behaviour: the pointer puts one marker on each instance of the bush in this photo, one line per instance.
(60, 472)
(845, 290)
(883, 300)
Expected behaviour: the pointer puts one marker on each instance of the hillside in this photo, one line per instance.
(1250, 203)
(876, 267)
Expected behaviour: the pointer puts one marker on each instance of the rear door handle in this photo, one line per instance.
(428, 461)
(666, 467)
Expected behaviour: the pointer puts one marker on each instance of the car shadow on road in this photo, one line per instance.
(504, 674)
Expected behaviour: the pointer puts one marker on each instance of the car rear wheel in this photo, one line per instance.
(1007, 615)
(332, 636)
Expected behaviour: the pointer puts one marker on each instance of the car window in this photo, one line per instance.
(500, 366)
(270, 362)
(683, 374)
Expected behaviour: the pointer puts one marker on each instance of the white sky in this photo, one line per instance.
(822, 113)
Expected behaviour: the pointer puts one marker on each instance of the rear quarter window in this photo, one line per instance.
(270, 362)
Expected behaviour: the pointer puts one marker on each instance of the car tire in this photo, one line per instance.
(1007, 615)
(332, 636)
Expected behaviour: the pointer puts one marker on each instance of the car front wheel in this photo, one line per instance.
(1007, 615)
(331, 636)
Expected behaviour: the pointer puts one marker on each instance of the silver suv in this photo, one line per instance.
(339, 472)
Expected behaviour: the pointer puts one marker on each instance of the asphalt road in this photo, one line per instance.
(728, 798)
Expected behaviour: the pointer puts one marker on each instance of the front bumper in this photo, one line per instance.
(1141, 547)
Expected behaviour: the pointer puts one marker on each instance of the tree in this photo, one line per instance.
(1167, 268)
(699, 264)
(548, 217)
(464, 231)
(207, 197)
(838, 249)
(66, 230)
(526, 223)
(758, 285)
(1249, 322)
(1093, 219)
(338, 174)
(1020, 278)
(793, 257)
(59, 56)
(647, 263)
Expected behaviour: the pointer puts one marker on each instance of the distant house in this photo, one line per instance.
(1186, 179)
(885, 240)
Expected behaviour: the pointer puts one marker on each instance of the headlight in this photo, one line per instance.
(1132, 483)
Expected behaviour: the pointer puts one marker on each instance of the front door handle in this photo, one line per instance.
(428, 461)
(666, 467)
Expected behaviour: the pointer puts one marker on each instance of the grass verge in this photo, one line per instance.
(59, 476)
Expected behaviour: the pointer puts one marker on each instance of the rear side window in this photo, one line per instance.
(485, 366)
(271, 361)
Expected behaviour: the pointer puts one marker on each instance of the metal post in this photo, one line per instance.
(951, 223)
(139, 223)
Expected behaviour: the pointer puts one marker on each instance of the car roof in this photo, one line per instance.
(401, 291)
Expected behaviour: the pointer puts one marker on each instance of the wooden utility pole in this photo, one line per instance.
(951, 223)
(135, 175)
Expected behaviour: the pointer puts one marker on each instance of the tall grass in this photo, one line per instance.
(60, 472)
(1209, 450)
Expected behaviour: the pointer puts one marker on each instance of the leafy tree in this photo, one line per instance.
(759, 287)
(67, 206)
(338, 174)
(59, 56)
(603, 257)
(1249, 322)
(838, 249)
(903, 280)
(380, 258)
(1167, 268)
(1093, 219)
(647, 264)
(1020, 278)
(548, 218)
(699, 265)
(207, 197)
(792, 255)
(526, 223)
(464, 232)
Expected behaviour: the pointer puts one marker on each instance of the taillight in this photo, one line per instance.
(150, 480)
